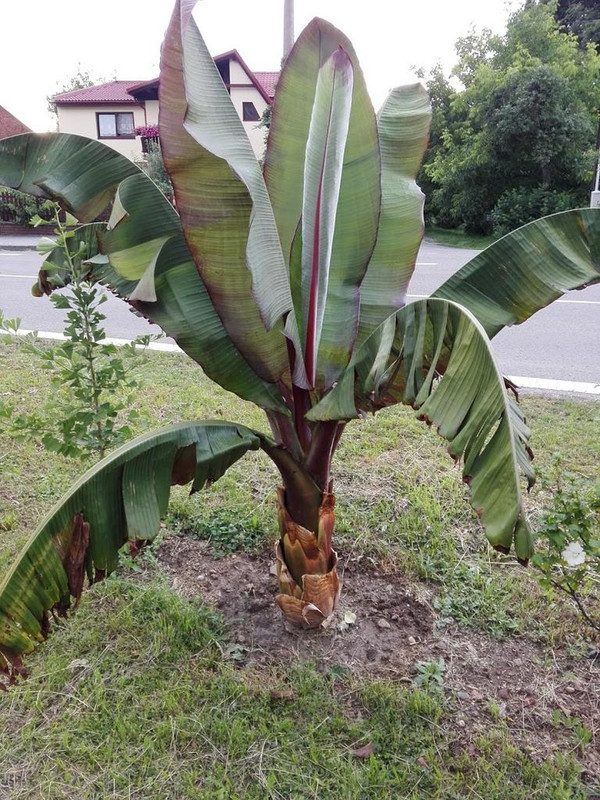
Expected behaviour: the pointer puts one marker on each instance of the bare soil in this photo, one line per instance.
(540, 694)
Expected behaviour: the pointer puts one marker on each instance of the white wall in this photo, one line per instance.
(151, 112)
(82, 120)
(250, 94)
(236, 73)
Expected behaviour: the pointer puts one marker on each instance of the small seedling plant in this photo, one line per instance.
(89, 411)
(569, 560)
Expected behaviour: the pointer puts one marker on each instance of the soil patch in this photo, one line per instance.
(390, 619)
(548, 700)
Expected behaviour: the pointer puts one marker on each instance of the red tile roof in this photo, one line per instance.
(10, 125)
(122, 91)
(268, 81)
(112, 92)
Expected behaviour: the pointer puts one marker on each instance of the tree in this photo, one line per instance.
(531, 122)
(579, 17)
(81, 80)
(441, 95)
(525, 122)
(289, 288)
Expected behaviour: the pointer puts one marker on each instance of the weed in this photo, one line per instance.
(224, 534)
(8, 521)
(475, 599)
(90, 409)
(430, 675)
(494, 710)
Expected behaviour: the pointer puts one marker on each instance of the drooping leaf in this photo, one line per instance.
(222, 199)
(528, 269)
(80, 173)
(403, 124)
(292, 145)
(121, 498)
(435, 356)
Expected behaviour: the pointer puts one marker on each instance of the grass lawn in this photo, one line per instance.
(486, 688)
(457, 238)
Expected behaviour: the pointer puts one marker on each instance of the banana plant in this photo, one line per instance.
(287, 284)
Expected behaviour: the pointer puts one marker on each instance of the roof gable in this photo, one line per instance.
(235, 56)
(10, 125)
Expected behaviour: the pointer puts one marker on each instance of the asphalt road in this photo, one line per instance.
(562, 342)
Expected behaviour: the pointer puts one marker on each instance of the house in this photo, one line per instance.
(112, 112)
(10, 125)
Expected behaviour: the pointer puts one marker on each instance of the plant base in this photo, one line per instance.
(307, 567)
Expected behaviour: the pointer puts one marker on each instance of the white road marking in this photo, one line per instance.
(556, 386)
(581, 302)
(571, 302)
(7, 275)
(522, 382)
(165, 347)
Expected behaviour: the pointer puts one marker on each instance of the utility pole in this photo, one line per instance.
(288, 27)
(595, 197)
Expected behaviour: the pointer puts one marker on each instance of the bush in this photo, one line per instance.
(521, 205)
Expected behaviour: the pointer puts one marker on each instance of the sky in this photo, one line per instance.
(44, 44)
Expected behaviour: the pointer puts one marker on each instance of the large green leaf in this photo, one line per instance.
(151, 265)
(403, 124)
(120, 499)
(179, 302)
(222, 199)
(435, 356)
(529, 268)
(291, 147)
(80, 173)
(325, 148)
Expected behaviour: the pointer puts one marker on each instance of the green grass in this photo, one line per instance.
(132, 699)
(454, 237)
(134, 696)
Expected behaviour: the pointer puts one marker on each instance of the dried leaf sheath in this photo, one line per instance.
(307, 566)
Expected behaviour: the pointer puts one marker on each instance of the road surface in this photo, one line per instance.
(561, 342)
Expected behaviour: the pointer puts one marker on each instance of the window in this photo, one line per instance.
(249, 112)
(116, 126)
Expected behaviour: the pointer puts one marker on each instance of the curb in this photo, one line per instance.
(522, 382)
(17, 248)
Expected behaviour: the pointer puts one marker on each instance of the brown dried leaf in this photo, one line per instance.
(365, 751)
(75, 560)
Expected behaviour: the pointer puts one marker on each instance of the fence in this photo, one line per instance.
(18, 208)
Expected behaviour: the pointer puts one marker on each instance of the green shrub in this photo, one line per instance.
(521, 205)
